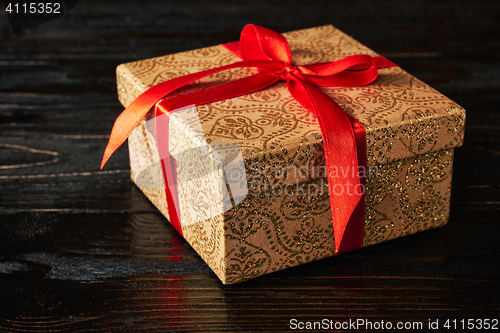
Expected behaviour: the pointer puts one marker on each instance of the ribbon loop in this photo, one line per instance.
(259, 43)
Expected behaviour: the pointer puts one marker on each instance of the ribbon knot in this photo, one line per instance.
(287, 72)
(343, 136)
(295, 73)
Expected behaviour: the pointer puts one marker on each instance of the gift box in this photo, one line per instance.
(246, 176)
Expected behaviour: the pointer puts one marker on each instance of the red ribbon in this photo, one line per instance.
(269, 52)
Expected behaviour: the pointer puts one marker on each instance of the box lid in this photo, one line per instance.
(403, 117)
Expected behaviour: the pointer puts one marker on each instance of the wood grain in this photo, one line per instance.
(83, 250)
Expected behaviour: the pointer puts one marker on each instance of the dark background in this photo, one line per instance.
(82, 249)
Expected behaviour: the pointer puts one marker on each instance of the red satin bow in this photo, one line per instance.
(269, 52)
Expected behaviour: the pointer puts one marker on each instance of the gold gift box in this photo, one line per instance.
(283, 217)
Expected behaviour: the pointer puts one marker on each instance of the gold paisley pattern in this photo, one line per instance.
(408, 196)
(411, 131)
(240, 127)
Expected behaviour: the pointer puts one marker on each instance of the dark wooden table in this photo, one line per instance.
(82, 249)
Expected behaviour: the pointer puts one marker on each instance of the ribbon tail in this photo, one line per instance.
(341, 161)
(128, 120)
(243, 86)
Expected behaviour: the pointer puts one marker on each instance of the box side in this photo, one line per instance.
(270, 231)
(199, 171)
(408, 196)
(207, 239)
(145, 167)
